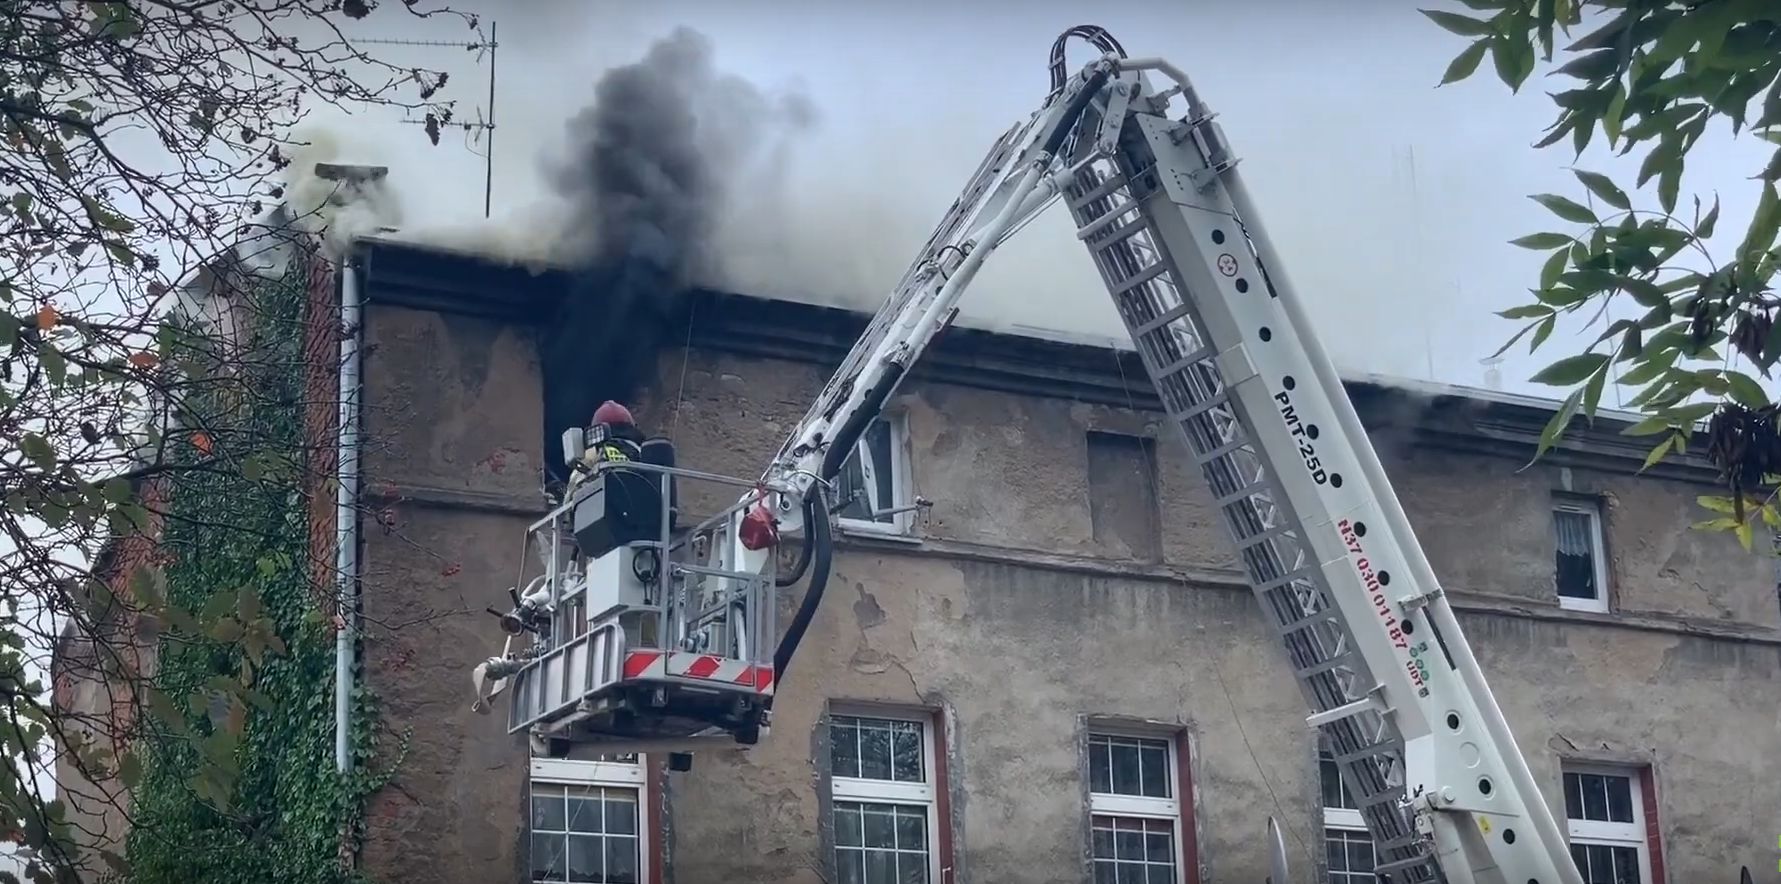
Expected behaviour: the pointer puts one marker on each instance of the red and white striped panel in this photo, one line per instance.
(704, 667)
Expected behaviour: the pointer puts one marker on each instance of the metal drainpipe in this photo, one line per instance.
(346, 514)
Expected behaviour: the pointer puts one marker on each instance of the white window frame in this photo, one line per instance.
(1597, 552)
(868, 791)
(901, 484)
(605, 774)
(1608, 834)
(1140, 806)
(1342, 819)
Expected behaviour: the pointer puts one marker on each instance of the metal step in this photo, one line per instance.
(1147, 292)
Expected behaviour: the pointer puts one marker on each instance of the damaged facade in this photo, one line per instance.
(1054, 674)
(1058, 673)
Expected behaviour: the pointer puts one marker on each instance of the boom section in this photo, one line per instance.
(1370, 638)
(1016, 180)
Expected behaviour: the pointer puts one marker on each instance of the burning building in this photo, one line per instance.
(1054, 673)
(1060, 657)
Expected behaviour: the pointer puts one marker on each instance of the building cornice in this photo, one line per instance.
(1452, 418)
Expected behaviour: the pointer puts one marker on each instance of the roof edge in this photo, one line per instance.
(1014, 361)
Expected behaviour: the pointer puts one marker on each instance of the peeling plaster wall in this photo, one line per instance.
(1014, 652)
(452, 451)
(1492, 533)
(1013, 622)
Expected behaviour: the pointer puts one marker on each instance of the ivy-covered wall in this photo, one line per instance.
(236, 780)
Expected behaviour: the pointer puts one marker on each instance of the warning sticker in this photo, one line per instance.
(1227, 264)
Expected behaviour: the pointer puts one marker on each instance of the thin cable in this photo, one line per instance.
(1156, 479)
(686, 357)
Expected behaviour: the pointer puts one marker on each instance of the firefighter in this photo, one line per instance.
(612, 437)
(613, 434)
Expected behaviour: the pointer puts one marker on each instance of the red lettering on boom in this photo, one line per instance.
(1370, 579)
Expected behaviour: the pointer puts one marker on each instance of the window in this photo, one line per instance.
(1581, 572)
(885, 807)
(1122, 504)
(1134, 813)
(872, 487)
(589, 822)
(1605, 812)
(1348, 848)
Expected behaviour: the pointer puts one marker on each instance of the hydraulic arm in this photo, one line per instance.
(1371, 640)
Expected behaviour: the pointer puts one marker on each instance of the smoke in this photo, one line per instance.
(723, 183)
(653, 165)
(651, 171)
(336, 209)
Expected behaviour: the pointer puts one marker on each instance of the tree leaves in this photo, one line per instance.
(1542, 241)
(1513, 59)
(1571, 369)
(1653, 76)
(1465, 63)
(1604, 189)
(1564, 208)
(1455, 23)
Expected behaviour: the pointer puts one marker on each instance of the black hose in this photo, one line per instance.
(1072, 113)
(1094, 34)
(820, 546)
(796, 573)
(818, 550)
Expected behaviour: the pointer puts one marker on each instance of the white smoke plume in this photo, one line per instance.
(338, 211)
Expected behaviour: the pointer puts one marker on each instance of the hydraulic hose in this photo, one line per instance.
(796, 572)
(818, 551)
(1095, 35)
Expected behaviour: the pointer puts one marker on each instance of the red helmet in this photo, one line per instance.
(611, 412)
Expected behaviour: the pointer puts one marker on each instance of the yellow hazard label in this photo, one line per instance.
(1484, 823)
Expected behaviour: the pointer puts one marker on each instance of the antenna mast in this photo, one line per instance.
(485, 125)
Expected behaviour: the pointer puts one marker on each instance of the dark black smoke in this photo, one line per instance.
(647, 173)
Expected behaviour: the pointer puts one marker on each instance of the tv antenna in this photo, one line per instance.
(484, 124)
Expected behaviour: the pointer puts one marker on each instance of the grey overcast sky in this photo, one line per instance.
(1391, 200)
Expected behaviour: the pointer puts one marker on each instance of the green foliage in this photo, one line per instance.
(1650, 76)
(238, 783)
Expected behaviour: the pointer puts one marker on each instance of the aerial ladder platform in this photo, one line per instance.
(651, 637)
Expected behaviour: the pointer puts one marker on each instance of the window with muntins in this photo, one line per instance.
(1348, 847)
(1605, 815)
(1134, 812)
(873, 480)
(1580, 573)
(587, 822)
(883, 799)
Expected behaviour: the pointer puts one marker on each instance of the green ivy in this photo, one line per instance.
(237, 782)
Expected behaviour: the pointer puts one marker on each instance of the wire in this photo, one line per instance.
(1156, 480)
(686, 357)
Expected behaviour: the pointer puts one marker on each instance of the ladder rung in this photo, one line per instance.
(1370, 750)
(1263, 536)
(1348, 710)
(1144, 276)
(1223, 450)
(1187, 361)
(1201, 407)
(1321, 667)
(1101, 191)
(1168, 316)
(1101, 221)
(1288, 577)
(1307, 620)
(1117, 235)
(1241, 493)
(1398, 865)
